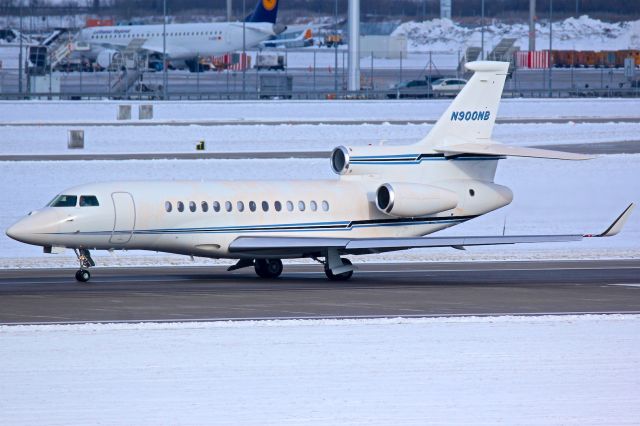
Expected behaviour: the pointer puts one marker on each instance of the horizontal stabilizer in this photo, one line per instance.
(507, 150)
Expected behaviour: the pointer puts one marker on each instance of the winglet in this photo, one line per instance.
(617, 224)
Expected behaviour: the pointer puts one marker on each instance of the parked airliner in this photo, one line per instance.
(385, 198)
(184, 42)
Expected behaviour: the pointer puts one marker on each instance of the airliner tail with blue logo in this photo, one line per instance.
(265, 11)
(384, 198)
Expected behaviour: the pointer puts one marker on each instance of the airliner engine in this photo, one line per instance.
(106, 57)
(414, 199)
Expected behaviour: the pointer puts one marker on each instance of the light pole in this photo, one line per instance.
(335, 45)
(244, 50)
(482, 31)
(164, 50)
(20, 65)
(550, 59)
(354, 46)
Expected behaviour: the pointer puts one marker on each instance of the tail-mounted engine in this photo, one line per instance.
(414, 199)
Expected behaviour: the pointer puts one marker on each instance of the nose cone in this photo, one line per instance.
(34, 229)
(19, 231)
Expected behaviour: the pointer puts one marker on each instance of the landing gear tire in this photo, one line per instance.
(339, 277)
(268, 268)
(82, 275)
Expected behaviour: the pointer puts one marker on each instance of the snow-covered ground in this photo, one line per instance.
(45, 139)
(570, 370)
(43, 112)
(550, 197)
(583, 33)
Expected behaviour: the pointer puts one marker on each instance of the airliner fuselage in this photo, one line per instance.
(183, 41)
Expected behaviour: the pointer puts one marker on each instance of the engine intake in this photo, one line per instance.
(340, 160)
(414, 199)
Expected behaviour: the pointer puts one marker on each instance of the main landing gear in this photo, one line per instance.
(265, 268)
(84, 257)
(268, 268)
(344, 276)
(335, 267)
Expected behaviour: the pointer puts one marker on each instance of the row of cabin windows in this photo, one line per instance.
(196, 33)
(240, 206)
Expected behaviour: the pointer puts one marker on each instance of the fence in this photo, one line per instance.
(315, 74)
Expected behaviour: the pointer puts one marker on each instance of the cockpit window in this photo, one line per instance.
(64, 201)
(89, 201)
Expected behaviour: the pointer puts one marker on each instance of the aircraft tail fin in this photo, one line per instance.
(265, 11)
(472, 114)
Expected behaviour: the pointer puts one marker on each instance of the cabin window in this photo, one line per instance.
(228, 206)
(301, 206)
(240, 206)
(252, 206)
(89, 201)
(168, 207)
(277, 205)
(325, 206)
(205, 206)
(289, 206)
(180, 205)
(64, 201)
(216, 206)
(192, 206)
(265, 206)
(313, 206)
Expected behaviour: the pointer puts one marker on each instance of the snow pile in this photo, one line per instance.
(581, 33)
(511, 370)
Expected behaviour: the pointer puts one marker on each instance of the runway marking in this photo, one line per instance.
(627, 285)
(321, 317)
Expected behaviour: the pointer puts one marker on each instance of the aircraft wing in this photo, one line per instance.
(284, 246)
(171, 51)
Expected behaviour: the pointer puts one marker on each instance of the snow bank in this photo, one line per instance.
(512, 370)
(581, 33)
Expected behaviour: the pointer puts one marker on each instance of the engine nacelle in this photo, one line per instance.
(414, 199)
(106, 57)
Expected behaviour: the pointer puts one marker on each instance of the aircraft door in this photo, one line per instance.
(124, 220)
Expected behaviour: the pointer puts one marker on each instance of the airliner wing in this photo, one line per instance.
(172, 51)
(283, 246)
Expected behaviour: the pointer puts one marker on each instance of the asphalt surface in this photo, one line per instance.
(428, 289)
(597, 148)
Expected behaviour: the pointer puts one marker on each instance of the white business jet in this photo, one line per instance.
(385, 198)
(184, 42)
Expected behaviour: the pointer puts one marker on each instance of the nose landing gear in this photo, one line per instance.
(83, 275)
(84, 257)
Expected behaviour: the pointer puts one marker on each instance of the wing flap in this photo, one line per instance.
(298, 245)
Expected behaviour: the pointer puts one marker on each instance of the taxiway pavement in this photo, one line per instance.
(376, 290)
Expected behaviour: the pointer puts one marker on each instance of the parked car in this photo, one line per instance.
(409, 89)
(447, 86)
